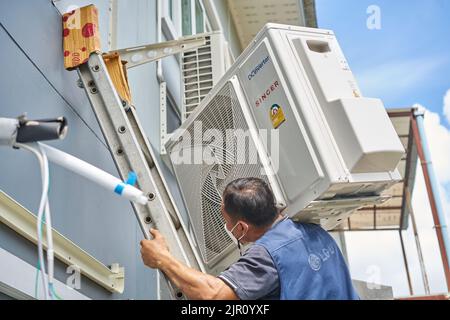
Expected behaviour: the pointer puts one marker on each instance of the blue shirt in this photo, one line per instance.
(291, 261)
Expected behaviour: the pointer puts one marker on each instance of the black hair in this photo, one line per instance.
(250, 199)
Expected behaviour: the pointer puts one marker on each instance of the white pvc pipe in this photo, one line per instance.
(94, 174)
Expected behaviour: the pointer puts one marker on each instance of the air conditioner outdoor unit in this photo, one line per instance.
(326, 151)
(202, 68)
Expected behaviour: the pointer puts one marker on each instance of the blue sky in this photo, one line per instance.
(407, 61)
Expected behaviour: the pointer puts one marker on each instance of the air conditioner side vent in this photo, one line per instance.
(200, 71)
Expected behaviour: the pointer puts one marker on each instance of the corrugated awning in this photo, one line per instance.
(250, 16)
(393, 214)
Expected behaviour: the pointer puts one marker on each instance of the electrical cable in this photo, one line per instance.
(42, 206)
(48, 223)
(53, 291)
(44, 153)
(36, 280)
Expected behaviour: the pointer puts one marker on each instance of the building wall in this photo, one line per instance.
(33, 80)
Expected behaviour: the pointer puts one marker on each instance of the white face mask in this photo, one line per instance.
(231, 235)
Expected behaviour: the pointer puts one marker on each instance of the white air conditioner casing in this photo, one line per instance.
(337, 150)
(201, 70)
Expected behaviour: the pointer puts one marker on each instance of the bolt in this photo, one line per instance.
(151, 196)
(179, 295)
(80, 84)
(96, 68)
(148, 220)
(94, 90)
(120, 151)
(122, 129)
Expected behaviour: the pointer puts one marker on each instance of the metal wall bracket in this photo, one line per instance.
(163, 131)
(163, 116)
(22, 221)
(136, 56)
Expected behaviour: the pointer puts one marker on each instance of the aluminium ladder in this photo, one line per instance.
(132, 151)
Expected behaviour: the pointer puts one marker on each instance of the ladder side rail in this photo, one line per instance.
(128, 156)
(163, 188)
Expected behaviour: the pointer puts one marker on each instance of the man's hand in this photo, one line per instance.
(153, 251)
(195, 284)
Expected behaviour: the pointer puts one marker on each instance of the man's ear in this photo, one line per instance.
(245, 226)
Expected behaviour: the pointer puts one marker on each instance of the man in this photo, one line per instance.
(287, 260)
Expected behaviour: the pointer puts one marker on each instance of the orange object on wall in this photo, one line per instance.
(81, 35)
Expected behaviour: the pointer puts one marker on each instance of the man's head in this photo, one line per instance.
(248, 207)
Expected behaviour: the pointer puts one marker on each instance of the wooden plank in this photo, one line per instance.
(118, 73)
(81, 36)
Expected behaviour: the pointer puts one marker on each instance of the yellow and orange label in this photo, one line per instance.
(277, 116)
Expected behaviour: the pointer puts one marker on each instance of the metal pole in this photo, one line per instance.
(432, 189)
(405, 261)
(423, 270)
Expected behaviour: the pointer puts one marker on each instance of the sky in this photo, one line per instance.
(398, 51)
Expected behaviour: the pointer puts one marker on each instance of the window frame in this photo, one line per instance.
(193, 7)
(173, 24)
(204, 16)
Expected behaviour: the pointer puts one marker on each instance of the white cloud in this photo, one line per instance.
(376, 257)
(396, 78)
(438, 137)
(428, 239)
(382, 249)
(447, 106)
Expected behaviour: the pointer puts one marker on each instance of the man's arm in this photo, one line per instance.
(194, 284)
